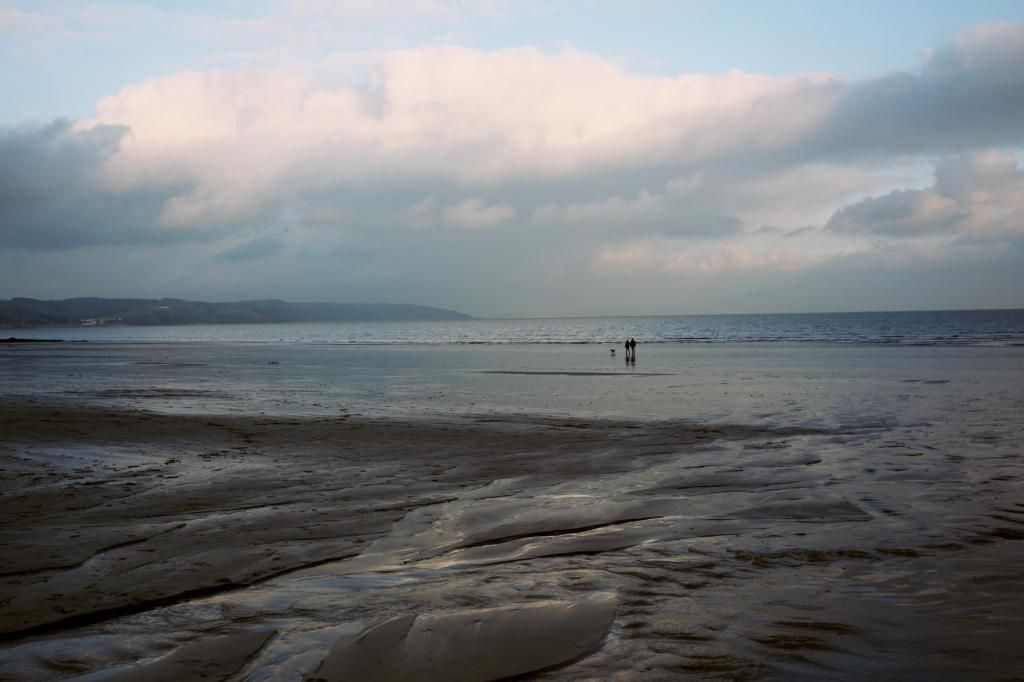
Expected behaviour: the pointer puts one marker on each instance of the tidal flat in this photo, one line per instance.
(317, 512)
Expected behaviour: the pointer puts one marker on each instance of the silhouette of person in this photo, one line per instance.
(627, 350)
(632, 348)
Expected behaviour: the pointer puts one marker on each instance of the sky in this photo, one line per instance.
(516, 158)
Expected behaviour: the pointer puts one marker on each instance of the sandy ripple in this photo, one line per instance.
(343, 547)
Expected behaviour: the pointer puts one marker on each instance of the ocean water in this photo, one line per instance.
(957, 328)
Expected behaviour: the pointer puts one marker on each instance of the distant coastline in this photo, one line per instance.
(20, 313)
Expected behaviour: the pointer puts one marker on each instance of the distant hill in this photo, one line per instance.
(30, 312)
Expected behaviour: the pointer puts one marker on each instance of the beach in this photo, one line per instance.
(733, 511)
(451, 341)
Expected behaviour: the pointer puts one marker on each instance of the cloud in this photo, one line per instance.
(244, 141)
(659, 177)
(665, 213)
(796, 196)
(978, 193)
(718, 203)
(646, 207)
(457, 115)
(472, 214)
(465, 214)
(53, 194)
(983, 178)
(703, 260)
(900, 213)
(37, 162)
(968, 95)
(422, 214)
(261, 247)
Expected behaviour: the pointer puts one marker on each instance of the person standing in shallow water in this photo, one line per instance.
(632, 349)
(627, 350)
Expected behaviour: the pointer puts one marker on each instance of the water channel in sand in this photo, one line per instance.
(275, 512)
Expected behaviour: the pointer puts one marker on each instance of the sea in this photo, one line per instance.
(946, 328)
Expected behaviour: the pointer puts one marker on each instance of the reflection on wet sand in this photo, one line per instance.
(145, 545)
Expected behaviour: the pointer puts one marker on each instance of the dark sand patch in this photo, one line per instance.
(214, 659)
(801, 507)
(471, 646)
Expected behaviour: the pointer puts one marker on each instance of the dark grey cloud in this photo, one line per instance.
(52, 195)
(37, 162)
(902, 213)
(968, 95)
(980, 193)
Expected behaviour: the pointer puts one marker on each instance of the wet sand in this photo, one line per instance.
(147, 539)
